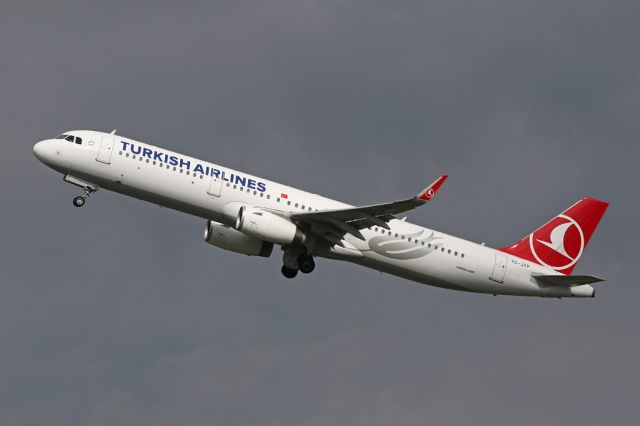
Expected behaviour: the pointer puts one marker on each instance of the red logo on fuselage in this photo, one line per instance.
(558, 244)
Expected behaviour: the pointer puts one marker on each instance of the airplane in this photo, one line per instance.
(249, 215)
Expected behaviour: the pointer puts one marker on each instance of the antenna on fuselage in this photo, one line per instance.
(113, 132)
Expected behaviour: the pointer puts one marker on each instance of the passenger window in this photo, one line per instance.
(462, 255)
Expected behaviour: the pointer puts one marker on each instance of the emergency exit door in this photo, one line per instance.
(106, 147)
(215, 187)
(499, 268)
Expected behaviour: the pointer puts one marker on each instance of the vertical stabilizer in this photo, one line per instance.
(559, 243)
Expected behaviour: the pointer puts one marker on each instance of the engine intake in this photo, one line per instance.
(267, 226)
(227, 238)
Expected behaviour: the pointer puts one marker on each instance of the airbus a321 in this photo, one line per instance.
(249, 215)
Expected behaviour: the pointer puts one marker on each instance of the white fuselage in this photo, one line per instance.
(214, 192)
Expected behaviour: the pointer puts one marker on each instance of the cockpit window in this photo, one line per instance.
(71, 138)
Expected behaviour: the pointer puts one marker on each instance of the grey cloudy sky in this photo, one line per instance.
(119, 313)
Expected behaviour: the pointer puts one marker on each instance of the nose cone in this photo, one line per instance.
(42, 150)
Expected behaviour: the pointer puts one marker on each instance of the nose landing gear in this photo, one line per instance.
(80, 200)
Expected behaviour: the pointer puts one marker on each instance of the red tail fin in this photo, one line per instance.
(559, 243)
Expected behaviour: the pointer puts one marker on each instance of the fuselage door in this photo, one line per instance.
(215, 187)
(499, 268)
(106, 147)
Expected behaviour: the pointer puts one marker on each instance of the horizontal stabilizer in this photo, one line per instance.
(566, 280)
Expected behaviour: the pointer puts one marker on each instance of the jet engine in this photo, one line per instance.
(267, 226)
(227, 238)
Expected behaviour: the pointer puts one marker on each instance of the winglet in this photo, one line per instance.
(429, 192)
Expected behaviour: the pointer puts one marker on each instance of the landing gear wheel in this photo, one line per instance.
(79, 201)
(88, 192)
(306, 264)
(288, 272)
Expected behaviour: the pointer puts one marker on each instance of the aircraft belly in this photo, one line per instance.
(418, 270)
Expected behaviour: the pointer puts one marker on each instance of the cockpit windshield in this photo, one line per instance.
(73, 139)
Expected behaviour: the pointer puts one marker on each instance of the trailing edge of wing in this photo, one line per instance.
(566, 280)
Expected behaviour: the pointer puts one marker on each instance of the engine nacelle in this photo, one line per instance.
(267, 226)
(227, 238)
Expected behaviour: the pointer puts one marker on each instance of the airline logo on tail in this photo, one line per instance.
(561, 247)
(559, 243)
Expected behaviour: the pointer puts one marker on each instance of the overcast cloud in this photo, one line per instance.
(119, 313)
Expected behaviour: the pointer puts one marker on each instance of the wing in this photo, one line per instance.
(566, 280)
(333, 224)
